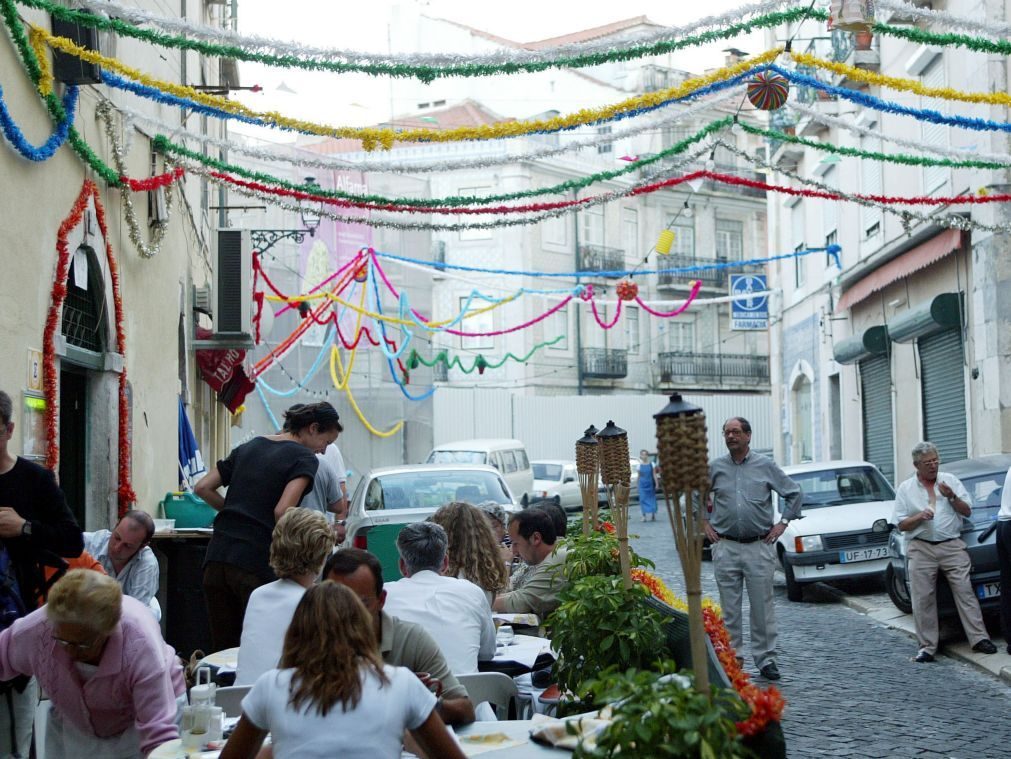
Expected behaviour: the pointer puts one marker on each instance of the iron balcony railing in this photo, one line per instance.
(710, 277)
(604, 363)
(601, 258)
(680, 366)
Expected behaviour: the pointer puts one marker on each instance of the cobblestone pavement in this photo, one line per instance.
(851, 686)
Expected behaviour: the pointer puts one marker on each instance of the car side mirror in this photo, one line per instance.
(568, 479)
(882, 525)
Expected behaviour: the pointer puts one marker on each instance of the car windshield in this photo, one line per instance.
(547, 471)
(836, 487)
(430, 490)
(457, 457)
(985, 490)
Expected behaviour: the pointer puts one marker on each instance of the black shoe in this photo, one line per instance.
(985, 646)
(923, 658)
(770, 671)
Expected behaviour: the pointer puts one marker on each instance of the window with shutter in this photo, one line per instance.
(871, 182)
(934, 177)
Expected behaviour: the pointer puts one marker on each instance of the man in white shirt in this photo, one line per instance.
(332, 455)
(126, 556)
(1004, 558)
(454, 611)
(929, 507)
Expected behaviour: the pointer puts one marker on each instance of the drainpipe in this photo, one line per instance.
(579, 311)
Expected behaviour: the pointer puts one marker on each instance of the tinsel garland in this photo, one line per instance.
(480, 363)
(389, 164)
(164, 145)
(46, 150)
(160, 226)
(372, 138)
(427, 66)
(297, 56)
(50, 378)
(944, 18)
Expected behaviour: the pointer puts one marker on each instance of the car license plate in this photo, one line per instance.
(988, 590)
(863, 554)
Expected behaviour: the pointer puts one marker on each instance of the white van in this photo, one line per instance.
(508, 456)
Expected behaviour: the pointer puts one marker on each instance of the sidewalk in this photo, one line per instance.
(885, 612)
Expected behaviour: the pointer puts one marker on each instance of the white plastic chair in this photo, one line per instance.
(230, 699)
(495, 688)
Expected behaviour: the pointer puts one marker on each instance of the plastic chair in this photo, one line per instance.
(497, 689)
(230, 699)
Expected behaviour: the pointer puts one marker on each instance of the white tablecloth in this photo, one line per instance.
(523, 650)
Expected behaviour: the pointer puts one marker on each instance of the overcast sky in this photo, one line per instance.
(356, 100)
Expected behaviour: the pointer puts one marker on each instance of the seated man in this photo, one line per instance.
(533, 537)
(453, 611)
(402, 644)
(125, 554)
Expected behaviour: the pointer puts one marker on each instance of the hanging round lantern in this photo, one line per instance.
(362, 274)
(627, 290)
(851, 15)
(664, 242)
(768, 90)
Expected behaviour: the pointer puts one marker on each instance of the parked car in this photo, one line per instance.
(556, 480)
(390, 497)
(508, 456)
(983, 477)
(834, 538)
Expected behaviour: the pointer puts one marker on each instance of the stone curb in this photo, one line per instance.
(998, 665)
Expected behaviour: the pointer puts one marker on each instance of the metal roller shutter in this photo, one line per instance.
(876, 400)
(942, 374)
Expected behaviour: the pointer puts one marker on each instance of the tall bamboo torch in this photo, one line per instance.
(617, 473)
(684, 466)
(588, 469)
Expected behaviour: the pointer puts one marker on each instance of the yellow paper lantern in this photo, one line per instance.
(664, 242)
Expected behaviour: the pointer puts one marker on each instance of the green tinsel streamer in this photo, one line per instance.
(443, 357)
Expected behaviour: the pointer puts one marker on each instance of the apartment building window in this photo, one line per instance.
(798, 227)
(475, 234)
(934, 134)
(871, 183)
(724, 157)
(672, 135)
(632, 329)
(558, 326)
(554, 231)
(484, 322)
(684, 240)
(729, 239)
(630, 232)
(832, 238)
(593, 226)
(681, 335)
(606, 147)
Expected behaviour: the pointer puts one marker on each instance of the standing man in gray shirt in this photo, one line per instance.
(744, 538)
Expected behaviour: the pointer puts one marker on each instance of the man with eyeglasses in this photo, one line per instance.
(929, 507)
(743, 536)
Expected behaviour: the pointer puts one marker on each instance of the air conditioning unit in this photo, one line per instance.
(68, 68)
(232, 297)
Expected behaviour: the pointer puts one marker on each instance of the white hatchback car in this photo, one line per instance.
(556, 481)
(834, 539)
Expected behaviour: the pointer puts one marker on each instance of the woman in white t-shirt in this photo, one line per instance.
(332, 695)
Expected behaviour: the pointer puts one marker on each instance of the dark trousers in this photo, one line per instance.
(226, 591)
(1004, 560)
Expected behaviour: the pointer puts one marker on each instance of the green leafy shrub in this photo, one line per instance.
(595, 554)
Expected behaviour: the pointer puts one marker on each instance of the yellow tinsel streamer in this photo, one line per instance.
(372, 138)
(358, 412)
(902, 85)
(38, 43)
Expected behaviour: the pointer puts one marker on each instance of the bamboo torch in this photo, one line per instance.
(617, 473)
(684, 464)
(588, 469)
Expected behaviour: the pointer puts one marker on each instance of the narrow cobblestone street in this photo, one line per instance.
(850, 685)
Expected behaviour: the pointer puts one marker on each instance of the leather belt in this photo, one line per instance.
(742, 540)
(935, 542)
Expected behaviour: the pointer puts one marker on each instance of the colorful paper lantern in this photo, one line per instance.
(664, 242)
(362, 274)
(768, 91)
(627, 289)
(851, 15)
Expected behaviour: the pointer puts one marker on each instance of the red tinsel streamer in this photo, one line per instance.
(125, 494)
(920, 200)
(155, 182)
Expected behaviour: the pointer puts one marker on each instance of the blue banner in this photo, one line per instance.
(749, 312)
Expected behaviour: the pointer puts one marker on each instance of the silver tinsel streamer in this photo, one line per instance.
(158, 228)
(943, 18)
(255, 43)
(423, 165)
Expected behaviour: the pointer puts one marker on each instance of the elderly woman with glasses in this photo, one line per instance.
(114, 684)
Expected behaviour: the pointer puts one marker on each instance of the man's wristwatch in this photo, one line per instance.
(784, 522)
(26, 529)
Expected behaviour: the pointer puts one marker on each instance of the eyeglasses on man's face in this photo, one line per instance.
(73, 645)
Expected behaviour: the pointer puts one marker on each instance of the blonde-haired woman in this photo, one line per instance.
(301, 542)
(474, 553)
(333, 696)
(114, 685)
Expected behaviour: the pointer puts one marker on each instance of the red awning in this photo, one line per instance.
(920, 257)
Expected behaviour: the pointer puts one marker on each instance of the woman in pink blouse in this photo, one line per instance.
(112, 681)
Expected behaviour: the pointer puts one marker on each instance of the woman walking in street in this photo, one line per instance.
(333, 696)
(265, 477)
(647, 487)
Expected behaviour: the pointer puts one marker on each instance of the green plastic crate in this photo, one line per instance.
(188, 510)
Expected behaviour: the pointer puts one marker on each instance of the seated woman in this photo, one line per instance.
(332, 695)
(474, 553)
(302, 541)
(114, 684)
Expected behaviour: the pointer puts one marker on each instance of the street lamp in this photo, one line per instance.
(311, 213)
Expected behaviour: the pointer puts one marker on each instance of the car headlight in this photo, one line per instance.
(804, 543)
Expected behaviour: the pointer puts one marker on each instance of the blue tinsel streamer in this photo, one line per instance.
(45, 151)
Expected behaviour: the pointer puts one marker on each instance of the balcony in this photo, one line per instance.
(601, 258)
(719, 367)
(861, 53)
(710, 277)
(654, 78)
(604, 363)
